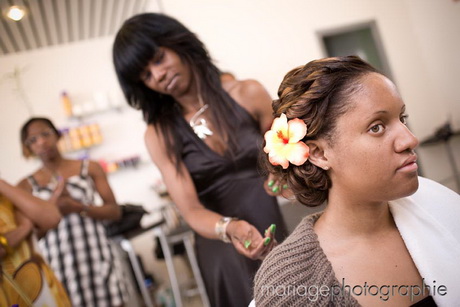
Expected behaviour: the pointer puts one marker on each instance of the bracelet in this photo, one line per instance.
(221, 228)
(4, 243)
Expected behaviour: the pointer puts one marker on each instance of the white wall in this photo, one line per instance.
(260, 39)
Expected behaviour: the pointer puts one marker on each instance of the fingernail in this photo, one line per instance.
(275, 189)
(272, 228)
(285, 186)
(271, 183)
(266, 241)
(247, 243)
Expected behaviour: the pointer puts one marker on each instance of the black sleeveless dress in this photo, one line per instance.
(232, 187)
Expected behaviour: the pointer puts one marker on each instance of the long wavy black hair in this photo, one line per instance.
(136, 43)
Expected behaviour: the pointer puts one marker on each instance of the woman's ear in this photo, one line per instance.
(317, 155)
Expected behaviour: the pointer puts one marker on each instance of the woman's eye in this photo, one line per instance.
(146, 76)
(159, 57)
(32, 140)
(376, 128)
(403, 119)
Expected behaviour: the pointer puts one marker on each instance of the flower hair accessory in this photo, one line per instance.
(283, 142)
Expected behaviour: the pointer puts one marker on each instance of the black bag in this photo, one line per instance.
(131, 216)
(177, 249)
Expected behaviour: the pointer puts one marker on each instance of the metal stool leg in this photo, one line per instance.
(195, 268)
(128, 248)
(170, 265)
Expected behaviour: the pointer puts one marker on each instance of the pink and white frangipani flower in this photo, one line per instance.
(283, 142)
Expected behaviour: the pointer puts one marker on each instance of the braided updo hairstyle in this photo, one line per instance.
(317, 93)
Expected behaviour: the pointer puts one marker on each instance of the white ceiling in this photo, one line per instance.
(54, 22)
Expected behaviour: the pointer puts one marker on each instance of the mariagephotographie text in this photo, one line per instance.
(385, 292)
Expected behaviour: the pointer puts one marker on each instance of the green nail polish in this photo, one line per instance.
(272, 228)
(275, 189)
(285, 186)
(266, 241)
(247, 243)
(271, 183)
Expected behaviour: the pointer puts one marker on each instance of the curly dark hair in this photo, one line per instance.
(317, 93)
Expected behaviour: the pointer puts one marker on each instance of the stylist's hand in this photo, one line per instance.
(274, 187)
(249, 242)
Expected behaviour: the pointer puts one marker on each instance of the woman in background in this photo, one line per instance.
(26, 279)
(382, 239)
(204, 136)
(78, 249)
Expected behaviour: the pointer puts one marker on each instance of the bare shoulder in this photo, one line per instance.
(154, 141)
(244, 89)
(153, 136)
(251, 95)
(95, 168)
(150, 131)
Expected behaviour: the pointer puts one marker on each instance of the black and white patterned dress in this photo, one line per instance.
(78, 250)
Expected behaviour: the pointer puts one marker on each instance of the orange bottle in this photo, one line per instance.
(66, 104)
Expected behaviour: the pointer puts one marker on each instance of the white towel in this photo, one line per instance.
(429, 223)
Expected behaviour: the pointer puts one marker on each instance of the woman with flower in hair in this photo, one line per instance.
(386, 236)
(205, 136)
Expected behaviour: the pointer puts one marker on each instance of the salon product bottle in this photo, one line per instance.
(75, 138)
(85, 136)
(95, 133)
(66, 104)
(65, 143)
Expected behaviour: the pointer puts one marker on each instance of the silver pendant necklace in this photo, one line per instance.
(199, 125)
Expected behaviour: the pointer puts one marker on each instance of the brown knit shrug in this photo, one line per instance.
(295, 269)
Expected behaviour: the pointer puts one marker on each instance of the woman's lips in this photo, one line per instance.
(410, 165)
(171, 84)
